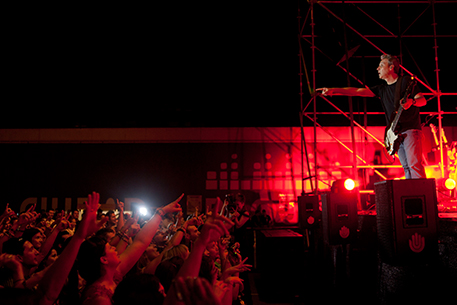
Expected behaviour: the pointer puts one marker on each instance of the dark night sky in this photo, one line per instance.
(217, 64)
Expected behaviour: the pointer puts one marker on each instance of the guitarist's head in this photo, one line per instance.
(388, 68)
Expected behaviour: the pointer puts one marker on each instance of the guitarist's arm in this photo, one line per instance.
(418, 101)
(348, 91)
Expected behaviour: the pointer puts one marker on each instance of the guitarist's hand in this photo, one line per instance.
(325, 91)
(409, 102)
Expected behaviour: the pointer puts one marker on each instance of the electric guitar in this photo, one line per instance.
(392, 139)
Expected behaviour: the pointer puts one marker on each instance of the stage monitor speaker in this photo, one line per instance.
(339, 218)
(309, 214)
(406, 220)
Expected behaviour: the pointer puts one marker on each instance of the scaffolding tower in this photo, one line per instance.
(359, 32)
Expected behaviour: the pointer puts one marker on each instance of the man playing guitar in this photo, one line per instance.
(409, 125)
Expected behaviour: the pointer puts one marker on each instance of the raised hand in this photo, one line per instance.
(132, 220)
(133, 230)
(236, 269)
(62, 222)
(222, 244)
(174, 206)
(89, 224)
(8, 212)
(27, 216)
(324, 91)
(119, 205)
(215, 227)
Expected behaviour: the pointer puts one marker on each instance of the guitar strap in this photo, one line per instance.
(397, 96)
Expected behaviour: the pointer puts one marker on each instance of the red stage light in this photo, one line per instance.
(349, 184)
(449, 184)
(343, 186)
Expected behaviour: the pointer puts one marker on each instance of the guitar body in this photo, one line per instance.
(392, 140)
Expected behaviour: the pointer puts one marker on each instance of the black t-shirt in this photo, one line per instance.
(410, 118)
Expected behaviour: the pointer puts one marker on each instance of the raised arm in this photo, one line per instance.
(120, 219)
(348, 91)
(175, 240)
(62, 224)
(56, 276)
(212, 230)
(6, 215)
(142, 240)
(25, 218)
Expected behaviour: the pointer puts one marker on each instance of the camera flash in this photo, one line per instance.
(143, 211)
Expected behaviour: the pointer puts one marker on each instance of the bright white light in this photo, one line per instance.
(349, 184)
(143, 211)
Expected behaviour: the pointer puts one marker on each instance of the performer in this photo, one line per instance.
(410, 150)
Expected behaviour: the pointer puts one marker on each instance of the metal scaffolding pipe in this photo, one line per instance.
(437, 70)
(314, 96)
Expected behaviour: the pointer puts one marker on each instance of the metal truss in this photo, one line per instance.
(309, 21)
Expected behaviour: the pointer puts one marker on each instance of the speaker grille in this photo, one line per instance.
(384, 219)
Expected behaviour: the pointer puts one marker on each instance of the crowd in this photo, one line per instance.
(55, 258)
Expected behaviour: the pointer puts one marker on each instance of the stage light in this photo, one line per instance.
(449, 184)
(143, 211)
(343, 186)
(349, 184)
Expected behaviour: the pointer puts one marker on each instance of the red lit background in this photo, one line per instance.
(156, 164)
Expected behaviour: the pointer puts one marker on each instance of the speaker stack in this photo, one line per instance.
(407, 220)
(339, 218)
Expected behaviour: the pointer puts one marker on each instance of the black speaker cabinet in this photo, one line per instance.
(279, 257)
(406, 220)
(309, 214)
(339, 218)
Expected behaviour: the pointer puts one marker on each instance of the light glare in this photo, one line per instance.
(143, 211)
(449, 184)
(349, 184)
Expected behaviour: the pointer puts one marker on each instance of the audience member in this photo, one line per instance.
(103, 269)
(105, 260)
(50, 218)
